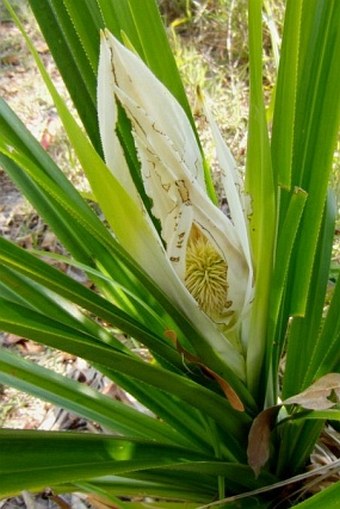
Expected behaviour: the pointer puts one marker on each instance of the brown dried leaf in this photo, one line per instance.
(259, 438)
(229, 392)
(321, 395)
(98, 503)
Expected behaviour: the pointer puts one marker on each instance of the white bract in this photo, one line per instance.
(208, 252)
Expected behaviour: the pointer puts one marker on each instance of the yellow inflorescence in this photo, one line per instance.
(206, 275)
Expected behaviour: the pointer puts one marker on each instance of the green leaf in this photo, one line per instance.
(297, 443)
(165, 488)
(56, 200)
(304, 333)
(320, 352)
(260, 186)
(326, 356)
(82, 400)
(33, 460)
(328, 498)
(330, 415)
(29, 266)
(170, 488)
(86, 23)
(66, 212)
(72, 58)
(28, 323)
(316, 128)
(282, 143)
(34, 297)
(285, 244)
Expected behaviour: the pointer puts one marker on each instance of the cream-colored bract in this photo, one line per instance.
(173, 177)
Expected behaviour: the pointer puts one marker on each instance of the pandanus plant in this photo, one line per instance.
(242, 335)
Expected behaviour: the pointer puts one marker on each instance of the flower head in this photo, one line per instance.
(208, 251)
(206, 276)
